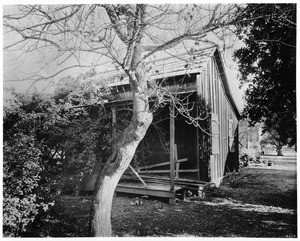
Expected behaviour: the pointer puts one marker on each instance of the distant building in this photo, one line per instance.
(249, 139)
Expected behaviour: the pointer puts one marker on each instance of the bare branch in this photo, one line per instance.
(112, 13)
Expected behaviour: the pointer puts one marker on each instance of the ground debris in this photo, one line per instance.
(263, 204)
(136, 202)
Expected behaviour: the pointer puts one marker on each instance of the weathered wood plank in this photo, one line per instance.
(187, 183)
(168, 171)
(145, 191)
(137, 175)
(176, 179)
(162, 164)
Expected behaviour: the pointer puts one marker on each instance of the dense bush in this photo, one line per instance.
(48, 148)
(26, 171)
(24, 195)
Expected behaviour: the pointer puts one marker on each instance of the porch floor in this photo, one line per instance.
(157, 186)
(152, 189)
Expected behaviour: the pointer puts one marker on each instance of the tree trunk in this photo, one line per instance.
(279, 150)
(119, 160)
(126, 145)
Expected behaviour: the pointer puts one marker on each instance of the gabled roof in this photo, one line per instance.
(181, 64)
(225, 82)
(186, 63)
(162, 67)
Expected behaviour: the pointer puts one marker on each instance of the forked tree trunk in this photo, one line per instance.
(119, 161)
(141, 119)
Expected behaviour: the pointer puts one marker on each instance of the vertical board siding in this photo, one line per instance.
(223, 120)
(220, 123)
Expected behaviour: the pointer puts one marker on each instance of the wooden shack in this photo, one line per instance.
(183, 149)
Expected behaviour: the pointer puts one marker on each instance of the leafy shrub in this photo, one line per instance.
(48, 148)
(23, 194)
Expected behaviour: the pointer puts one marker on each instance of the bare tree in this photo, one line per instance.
(128, 36)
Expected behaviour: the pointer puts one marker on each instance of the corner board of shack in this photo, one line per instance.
(182, 151)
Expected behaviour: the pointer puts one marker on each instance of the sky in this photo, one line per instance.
(17, 67)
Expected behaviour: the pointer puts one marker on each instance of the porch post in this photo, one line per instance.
(114, 132)
(114, 125)
(197, 143)
(172, 151)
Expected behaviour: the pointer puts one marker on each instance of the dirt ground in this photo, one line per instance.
(261, 202)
